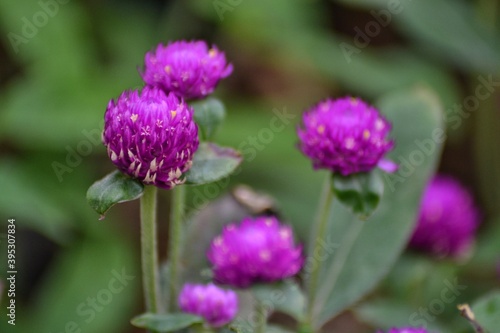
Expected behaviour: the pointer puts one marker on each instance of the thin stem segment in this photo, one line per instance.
(261, 316)
(175, 241)
(321, 227)
(149, 251)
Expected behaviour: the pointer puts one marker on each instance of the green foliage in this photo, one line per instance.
(486, 311)
(286, 297)
(360, 192)
(208, 115)
(212, 163)
(164, 323)
(112, 189)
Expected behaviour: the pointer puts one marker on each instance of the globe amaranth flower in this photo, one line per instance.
(406, 330)
(188, 69)
(216, 305)
(257, 250)
(345, 136)
(448, 219)
(150, 136)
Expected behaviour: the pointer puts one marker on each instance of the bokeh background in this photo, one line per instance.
(61, 62)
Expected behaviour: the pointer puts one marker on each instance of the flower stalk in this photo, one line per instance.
(175, 237)
(321, 227)
(149, 250)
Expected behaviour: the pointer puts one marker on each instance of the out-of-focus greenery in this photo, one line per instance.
(58, 77)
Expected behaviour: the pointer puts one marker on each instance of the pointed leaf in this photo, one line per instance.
(487, 311)
(360, 192)
(211, 163)
(166, 322)
(355, 267)
(209, 115)
(112, 189)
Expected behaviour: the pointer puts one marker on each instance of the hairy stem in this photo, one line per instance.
(174, 250)
(149, 253)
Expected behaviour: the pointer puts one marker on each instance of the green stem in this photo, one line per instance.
(339, 261)
(261, 316)
(175, 241)
(148, 250)
(321, 227)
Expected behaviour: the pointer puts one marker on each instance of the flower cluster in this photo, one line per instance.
(188, 69)
(217, 306)
(150, 136)
(448, 219)
(257, 250)
(345, 136)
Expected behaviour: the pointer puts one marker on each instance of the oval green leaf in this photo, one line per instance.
(212, 163)
(209, 115)
(487, 311)
(112, 189)
(166, 322)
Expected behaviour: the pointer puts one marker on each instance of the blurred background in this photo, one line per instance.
(61, 61)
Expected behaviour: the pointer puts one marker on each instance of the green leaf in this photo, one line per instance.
(112, 189)
(360, 192)
(286, 297)
(355, 268)
(464, 39)
(487, 311)
(387, 313)
(211, 163)
(209, 115)
(166, 322)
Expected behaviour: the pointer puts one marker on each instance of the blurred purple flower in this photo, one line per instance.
(188, 69)
(216, 305)
(345, 135)
(257, 250)
(448, 219)
(150, 136)
(406, 330)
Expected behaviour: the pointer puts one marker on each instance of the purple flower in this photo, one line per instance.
(150, 136)
(257, 250)
(406, 330)
(345, 136)
(216, 305)
(188, 69)
(448, 219)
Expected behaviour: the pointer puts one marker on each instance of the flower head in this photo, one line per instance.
(257, 250)
(188, 69)
(448, 219)
(406, 330)
(216, 305)
(150, 136)
(345, 136)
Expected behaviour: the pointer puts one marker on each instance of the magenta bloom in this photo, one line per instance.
(448, 219)
(216, 305)
(345, 136)
(188, 69)
(257, 250)
(406, 330)
(150, 136)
